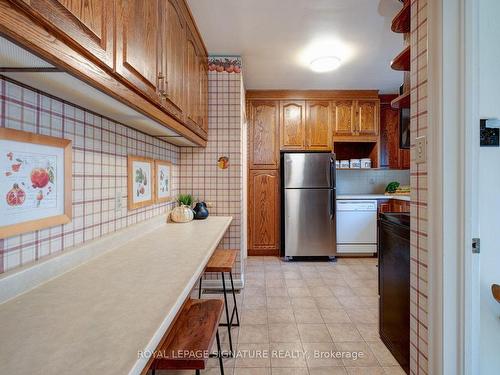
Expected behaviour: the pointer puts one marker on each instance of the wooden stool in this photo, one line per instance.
(223, 261)
(189, 341)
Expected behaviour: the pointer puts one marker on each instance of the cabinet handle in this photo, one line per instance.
(162, 86)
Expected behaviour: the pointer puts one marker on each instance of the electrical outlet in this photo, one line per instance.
(118, 201)
(421, 150)
(210, 204)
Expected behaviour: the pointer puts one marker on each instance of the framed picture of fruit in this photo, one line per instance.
(35, 182)
(163, 177)
(140, 182)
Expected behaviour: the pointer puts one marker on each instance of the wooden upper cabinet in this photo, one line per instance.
(263, 213)
(203, 118)
(87, 24)
(137, 49)
(367, 117)
(264, 128)
(343, 114)
(192, 81)
(318, 125)
(292, 125)
(172, 49)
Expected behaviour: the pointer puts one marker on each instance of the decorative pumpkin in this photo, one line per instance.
(182, 214)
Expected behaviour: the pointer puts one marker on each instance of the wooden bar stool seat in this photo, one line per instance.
(223, 261)
(188, 343)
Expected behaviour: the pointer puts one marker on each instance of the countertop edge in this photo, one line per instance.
(141, 362)
(406, 198)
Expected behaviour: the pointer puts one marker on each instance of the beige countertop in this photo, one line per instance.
(95, 318)
(374, 196)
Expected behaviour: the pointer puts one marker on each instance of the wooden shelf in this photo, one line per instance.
(402, 61)
(402, 101)
(401, 23)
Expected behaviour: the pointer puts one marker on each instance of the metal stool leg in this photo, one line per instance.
(199, 287)
(227, 314)
(221, 364)
(235, 308)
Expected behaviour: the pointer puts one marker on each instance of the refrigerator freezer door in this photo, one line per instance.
(309, 170)
(310, 222)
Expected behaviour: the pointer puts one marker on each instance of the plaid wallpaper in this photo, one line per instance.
(100, 149)
(418, 179)
(199, 173)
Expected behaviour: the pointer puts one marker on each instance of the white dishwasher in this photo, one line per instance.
(356, 226)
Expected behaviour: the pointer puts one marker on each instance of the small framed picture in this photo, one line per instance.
(163, 186)
(35, 182)
(140, 182)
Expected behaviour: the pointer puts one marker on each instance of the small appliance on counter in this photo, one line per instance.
(394, 285)
(308, 209)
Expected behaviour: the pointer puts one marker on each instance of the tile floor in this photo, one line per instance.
(289, 308)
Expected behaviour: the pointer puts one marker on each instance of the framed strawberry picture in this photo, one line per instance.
(140, 180)
(35, 182)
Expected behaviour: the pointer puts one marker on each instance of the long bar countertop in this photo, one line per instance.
(95, 318)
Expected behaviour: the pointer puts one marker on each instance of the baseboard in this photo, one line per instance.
(264, 252)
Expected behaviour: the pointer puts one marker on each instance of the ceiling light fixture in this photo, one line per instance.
(324, 64)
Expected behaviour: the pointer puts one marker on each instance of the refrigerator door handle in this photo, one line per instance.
(332, 204)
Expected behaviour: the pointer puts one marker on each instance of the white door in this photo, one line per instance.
(489, 189)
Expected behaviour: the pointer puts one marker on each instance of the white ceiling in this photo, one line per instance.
(271, 36)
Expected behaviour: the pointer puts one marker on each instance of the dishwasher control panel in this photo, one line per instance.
(356, 205)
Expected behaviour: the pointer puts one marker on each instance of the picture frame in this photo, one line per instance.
(140, 182)
(35, 181)
(163, 181)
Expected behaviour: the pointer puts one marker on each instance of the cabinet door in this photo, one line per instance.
(203, 118)
(343, 117)
(89, 24)
(389, 137)
(173, 55)
(384, 206)
(318, 125)
(292, 125)
(263, 134)
(404, 159)
(192, 81)
(137, 56)
(367, 116)
(263, 212)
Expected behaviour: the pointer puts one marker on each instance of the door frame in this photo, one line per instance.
(453, 160)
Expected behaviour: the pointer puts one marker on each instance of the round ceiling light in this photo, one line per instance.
(325, 64)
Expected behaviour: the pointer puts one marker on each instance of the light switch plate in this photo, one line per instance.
(421, 150)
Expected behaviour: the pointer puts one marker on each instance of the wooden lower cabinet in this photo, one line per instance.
(263, 212)
(393, 205)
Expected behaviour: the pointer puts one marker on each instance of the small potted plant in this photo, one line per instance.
(183, 213)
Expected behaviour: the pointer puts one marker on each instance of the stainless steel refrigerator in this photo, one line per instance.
(309, 204)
